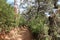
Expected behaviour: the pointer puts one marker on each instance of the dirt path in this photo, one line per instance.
(17, 34)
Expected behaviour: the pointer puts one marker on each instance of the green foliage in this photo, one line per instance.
(7, 16)
(22, 20)
(37, 24)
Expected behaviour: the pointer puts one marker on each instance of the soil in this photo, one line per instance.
(22, 33)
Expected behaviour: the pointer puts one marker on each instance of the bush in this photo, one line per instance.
(7, 16)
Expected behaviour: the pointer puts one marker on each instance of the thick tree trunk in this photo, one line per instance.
(52, 27)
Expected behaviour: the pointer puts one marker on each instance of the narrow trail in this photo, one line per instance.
(17, 34)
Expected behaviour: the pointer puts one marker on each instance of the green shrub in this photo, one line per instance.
(7, 16)
(37, 24)
(22, 20)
